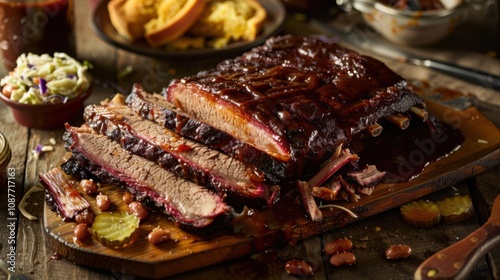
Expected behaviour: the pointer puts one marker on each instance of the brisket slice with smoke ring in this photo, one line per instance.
(185, 202)
(186, 158)
(294, 98)
(62, 197)
(156, 108)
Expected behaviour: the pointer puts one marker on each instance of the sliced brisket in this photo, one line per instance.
(156, 108)
(186, 202)
(61, 195)
(294, 98)
(183, 157)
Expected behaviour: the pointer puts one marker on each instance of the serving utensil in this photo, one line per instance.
(457, 260)
(379, 47)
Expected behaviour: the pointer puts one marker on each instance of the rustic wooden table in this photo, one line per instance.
(371, 236)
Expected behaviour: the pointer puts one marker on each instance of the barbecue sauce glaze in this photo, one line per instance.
(403, 154)
(309, 94)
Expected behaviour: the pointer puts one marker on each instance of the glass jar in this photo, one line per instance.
(35, 26)
(5, 155)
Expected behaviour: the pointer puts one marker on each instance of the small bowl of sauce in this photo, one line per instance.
(5, 155)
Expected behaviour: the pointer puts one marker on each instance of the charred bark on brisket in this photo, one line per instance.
(185, 202)
(156, 108)
(185, 158)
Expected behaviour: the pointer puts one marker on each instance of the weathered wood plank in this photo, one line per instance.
(18, 140)
(99, 53)
(371, 237)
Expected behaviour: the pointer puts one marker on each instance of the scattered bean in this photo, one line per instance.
(103, 202)
(127, 198)
(299, 268)
(341, 259)
(138, 209)
(338, 246)
(85, 217)
(158, 235)
(81, 232)
(88, 186)
(396, 252)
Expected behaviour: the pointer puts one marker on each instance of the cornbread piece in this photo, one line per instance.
(158, 21)
(174, 18)
(129, 16)
(185, 202)
(294, 98)
(229, 20)
(183, 157)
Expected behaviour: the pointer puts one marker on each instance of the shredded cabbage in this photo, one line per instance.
(38, 79)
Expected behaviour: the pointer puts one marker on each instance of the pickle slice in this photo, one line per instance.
(115, 230)
(456, 209)
(421, 213)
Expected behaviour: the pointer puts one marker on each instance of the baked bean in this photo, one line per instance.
(127, 198)
(396, 252)
(103, 202)
(138, 210)
(85, 217)
(338, 246)
(299, 268)
(158, 235)
(81, 232)
(341, 259)
(88, 186)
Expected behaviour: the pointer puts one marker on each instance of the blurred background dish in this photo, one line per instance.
(35, 26)
(412, 27)
(309, 6)
(101, 24)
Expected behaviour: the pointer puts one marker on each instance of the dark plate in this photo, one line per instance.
(101, 24)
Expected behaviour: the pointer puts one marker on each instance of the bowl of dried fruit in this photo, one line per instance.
(412, 22)
(44, 92)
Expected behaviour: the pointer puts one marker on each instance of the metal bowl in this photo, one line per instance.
(413, 28)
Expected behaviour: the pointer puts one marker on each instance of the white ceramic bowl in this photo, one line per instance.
(414, 28)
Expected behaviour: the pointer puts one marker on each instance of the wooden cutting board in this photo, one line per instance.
(187, 251)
